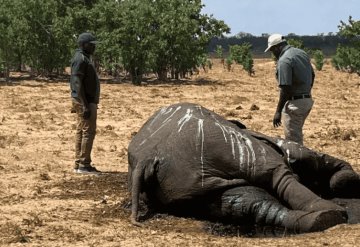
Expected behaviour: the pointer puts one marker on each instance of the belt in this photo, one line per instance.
(302, 96)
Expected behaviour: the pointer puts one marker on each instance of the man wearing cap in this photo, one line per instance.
(295, 77)
(85, 93)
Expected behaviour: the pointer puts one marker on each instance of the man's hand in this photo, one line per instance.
(86, 113)
(277, 119)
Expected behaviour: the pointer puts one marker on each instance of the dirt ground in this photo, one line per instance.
(43, 203)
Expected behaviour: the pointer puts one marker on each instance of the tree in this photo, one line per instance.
(14, 31)
(347, 58)
(182, 35)
(139, 36)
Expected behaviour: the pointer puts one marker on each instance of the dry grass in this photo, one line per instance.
(42, 203)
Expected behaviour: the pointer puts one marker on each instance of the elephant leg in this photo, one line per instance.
(253, 205)
(296, 195)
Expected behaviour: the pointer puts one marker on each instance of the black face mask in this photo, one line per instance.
(89, 48)
(276, 51)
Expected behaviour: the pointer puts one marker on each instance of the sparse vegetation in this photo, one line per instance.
(347, 58)
(43, 203)
(241, 54)
(319, 59)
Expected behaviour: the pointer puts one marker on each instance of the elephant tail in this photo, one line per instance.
(137, 180)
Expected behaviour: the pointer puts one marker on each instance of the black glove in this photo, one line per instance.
(277, 119)
(86, 113)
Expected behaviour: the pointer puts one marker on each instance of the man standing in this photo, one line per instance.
(295, 77)
(85, 93)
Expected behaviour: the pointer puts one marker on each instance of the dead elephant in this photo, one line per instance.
(186, 157)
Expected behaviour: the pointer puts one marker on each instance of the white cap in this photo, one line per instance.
(274, 39)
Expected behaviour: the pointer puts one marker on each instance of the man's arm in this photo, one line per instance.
(312, 76)
(78, 69)
(283, 97)
(284, 77)
(79, 88)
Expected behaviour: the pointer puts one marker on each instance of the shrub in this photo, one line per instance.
(319, 59)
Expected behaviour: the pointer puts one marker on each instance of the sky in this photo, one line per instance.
(302, 17)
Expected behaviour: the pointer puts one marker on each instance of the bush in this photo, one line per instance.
(229, 62)
(241, 54)
(319, 59)
(348, 58)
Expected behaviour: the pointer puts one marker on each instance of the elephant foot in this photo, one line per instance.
(298, 197)
(302, 222)
(321, 204)
(345, 183)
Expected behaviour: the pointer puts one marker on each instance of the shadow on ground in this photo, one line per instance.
(114, 185)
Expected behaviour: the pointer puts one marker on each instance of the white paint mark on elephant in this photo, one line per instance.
(246, 156)
(232, 141)
(280, 142)
(161, 112)
(185, 118)
(169, 117)
(201, 138)
(223, 129)
(246, 150)
(167, 120)
(288, 155)
(249, 144)
(241, 154)
(200, 109)
(291, 151)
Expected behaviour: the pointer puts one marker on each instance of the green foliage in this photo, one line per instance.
(248, 64)
(139, 36)
(318, 56)
(296, 43)
(229, 62)
(241, 54)
(319, 59)
(219, 51)
(347, 58)
(350, 30)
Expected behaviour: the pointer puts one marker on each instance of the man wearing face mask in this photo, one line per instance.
(85, 93)
(295, 77)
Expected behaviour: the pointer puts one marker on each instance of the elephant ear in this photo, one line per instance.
(237, 123)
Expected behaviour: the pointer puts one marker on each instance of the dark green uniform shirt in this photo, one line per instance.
(82, 67)
(294, 69)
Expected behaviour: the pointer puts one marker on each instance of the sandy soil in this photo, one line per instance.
(43, 203)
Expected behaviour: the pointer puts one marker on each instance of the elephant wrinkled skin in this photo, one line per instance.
(186, 157)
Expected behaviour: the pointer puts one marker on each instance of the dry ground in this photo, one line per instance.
(43, 203)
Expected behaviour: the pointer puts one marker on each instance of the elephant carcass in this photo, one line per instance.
(185, 152)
